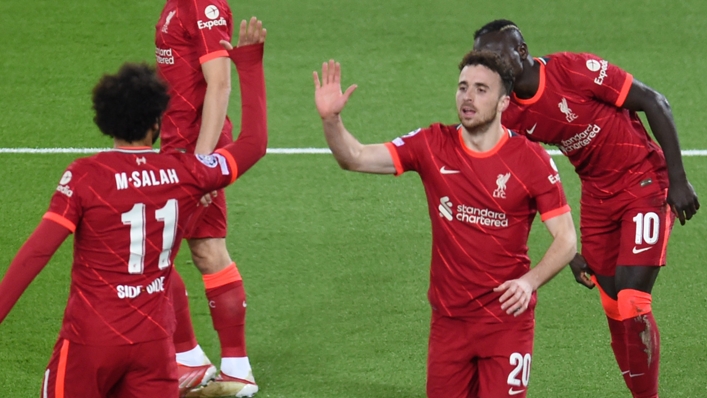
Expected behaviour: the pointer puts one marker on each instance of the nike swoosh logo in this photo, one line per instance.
(511, 391)
(635, 375)
(531, 130)
(636, 251)
(445, 170)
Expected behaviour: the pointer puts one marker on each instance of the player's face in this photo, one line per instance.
(480, 98)
(506, 44)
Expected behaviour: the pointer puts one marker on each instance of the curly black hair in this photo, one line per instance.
(492, 61)
(130, 102)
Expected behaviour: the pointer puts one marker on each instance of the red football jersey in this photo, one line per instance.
(187, 35)
(578, 108)
(128, 209)
(481, 206)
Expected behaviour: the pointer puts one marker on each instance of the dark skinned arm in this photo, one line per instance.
(681, 196)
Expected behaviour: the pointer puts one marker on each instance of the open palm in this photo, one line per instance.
(328, 97)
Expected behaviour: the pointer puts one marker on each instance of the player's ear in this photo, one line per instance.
(522, 50)
(503, 103)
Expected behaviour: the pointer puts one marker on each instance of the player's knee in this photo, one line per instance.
(209, 255)
(633, 303)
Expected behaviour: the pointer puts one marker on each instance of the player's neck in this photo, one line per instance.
(483, 138)
(147, 141)
(526, 85)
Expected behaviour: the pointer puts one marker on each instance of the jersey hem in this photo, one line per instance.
(60, 220)
(210, 56)
(396, 158)
(554, 213)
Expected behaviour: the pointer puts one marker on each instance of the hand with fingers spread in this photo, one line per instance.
(328, 97)
(516, 296)
(250, 33)
(582, 272)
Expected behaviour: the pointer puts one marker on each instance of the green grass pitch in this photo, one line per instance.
(336, 264)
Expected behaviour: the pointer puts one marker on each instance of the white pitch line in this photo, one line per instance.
(278, 151)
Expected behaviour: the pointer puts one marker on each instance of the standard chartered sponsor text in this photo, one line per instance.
(484, 217)
(580, 140)
(164, 56)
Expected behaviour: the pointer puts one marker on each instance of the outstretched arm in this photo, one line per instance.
(29, 261)
(348, 151)
(681, 196)
(517, 292)
(251, 144)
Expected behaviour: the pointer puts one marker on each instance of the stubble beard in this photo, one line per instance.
(479, 126)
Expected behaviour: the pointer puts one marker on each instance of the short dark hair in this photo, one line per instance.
(492, 61)
(498, 25)
(130, 102)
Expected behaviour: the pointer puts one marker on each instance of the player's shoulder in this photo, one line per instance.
(572, 61)
(523, 145)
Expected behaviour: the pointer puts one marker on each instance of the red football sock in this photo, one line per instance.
(643, 341)
(617, 331)
(226, 296)
(184, 339)
(619, 344)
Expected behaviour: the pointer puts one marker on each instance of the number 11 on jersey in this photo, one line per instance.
(136, 219)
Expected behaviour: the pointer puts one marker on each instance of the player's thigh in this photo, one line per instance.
(152, 372)
(504, 367)
(450, 368)
(600, 235)
(78, 371)
(645, 230)
(209, 222)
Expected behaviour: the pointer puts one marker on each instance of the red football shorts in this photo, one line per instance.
(209, 221)
(625, 230)
(469, 359)
(139, 370)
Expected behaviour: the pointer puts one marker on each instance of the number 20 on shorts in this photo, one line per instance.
(520, 375)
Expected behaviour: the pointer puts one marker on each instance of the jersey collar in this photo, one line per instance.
(541, 87)
(488, 153)
(133, 149)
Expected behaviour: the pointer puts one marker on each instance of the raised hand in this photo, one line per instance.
(251, 32)
(328, 97)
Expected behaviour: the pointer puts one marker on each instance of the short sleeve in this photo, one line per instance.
(606, 82)
(65, 205)
(209, 23)
(408, 149)
(544, 184)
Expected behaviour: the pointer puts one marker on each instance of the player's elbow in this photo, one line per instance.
(569, 244)
(261, 148)
(222, 86)
(657, 102)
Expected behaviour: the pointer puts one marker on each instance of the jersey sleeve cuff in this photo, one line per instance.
(554, 213)
(624, 90)
(231, 164)
(216, 54)
(252, 53)
(396, 159)
(60, 220)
